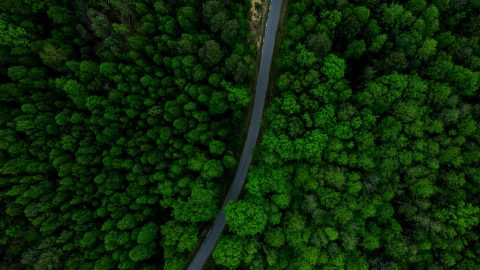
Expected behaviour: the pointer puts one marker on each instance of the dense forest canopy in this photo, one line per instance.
(118, 124)
(370, 155)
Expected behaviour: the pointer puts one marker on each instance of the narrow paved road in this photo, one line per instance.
(253, 129)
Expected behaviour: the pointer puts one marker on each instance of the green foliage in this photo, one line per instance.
(147, 233)
(355, 49)
(228, 252)
(369, 154)
(333, 67)
(52, 56)
(12, 35)
(76, 92)
(238, 95)
(17, 72)
(210, 53)
(320, 43)
(378, 42)
(59, 14)
(305, 57)
(108, 69)
(99, 23)
(216, 147)
(179, 237)
(127, 222)
(245, 217)
(104, 263)
(187, 18)
(331, 233)
(117, 120)
(428, 49)
(200, 207)
(141, 253)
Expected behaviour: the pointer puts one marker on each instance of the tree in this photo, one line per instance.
(76, 92)
(212, 169)
(395, 16)
(210, 8)
(320, 43)
(333, 67)
(315, 142)
(216, 147)
(104, 263)
(304, 57)
(59, 14)
(378, 42)
(245, 217)
(182, 238)
(229, 252)
(99, 23)
(147, 233)
(230, 32)
(187, 18)
(16, 73)
(200, 206)
(127, 222)
(53, 56)
(108, 69)
(289, 104)
(210, 53)
(141, 252)
(238, 95)
(355, 49)
(275, 237)
(428, 49)
(11, 35)
(462, 216)
(218, 21)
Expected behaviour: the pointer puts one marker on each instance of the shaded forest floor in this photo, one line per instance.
(257, 16)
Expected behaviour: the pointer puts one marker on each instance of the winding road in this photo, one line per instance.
(253, 129)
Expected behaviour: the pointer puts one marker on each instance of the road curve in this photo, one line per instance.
(253, 129)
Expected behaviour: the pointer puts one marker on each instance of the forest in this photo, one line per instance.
(370, 154)
(118, 128)
(121, 123)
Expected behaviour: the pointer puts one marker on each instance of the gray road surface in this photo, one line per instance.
(253, 129)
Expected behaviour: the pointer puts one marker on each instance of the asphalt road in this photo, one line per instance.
(253, 129)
